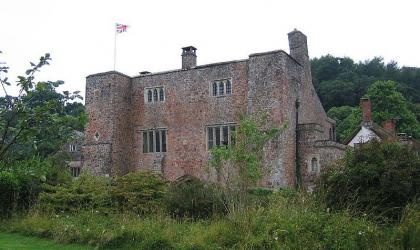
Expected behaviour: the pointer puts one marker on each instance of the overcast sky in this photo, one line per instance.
(80, 34)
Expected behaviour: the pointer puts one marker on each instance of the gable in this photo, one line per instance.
(363, 135)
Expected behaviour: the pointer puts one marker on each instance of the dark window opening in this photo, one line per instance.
(214, 89)
(145, 143)
(210, 140)
(149, 95)
(75, 171)
(155, 95)
(228, 88)
(221, 88)
(157, 140)
(151, 143)
(161, 95)
(163, 140)
(314, 165)
(225, 137)
(232, 135)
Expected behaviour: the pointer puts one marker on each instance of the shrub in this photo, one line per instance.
(193, 198)
(9, 186)
(374, 178)
(140, 192)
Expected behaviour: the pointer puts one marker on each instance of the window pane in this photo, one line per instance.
(157, 141)
(221, 88)
(228, 87)
(155, 95)
(151, 141)
(163, 140)
(149, 95)
(210, 140)
(225, 135)
(217, 129)
(232, 135)
(145, 142)
(161, 95)
(214, 88)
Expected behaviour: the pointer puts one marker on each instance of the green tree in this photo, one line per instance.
(347, 118)
(35, 121)
(388, 103)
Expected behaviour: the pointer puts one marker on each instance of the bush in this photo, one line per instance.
(374, 178)
(193, 198)
(140, 193)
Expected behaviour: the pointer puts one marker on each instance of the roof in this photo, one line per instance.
(378, 130)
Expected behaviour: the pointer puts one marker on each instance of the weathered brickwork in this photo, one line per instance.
(120, 111)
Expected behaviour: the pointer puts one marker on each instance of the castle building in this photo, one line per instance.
(168, 121)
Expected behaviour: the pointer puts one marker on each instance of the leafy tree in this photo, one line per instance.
(388, 103)
(347, 118)
(35, 121)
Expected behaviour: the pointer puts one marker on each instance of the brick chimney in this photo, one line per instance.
(366, 106)
(189, 57)
(389, 126)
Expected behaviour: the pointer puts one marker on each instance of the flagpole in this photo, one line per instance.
(115, 45)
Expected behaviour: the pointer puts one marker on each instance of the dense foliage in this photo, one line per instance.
(394, 90)
(38, 120)
(377, 179)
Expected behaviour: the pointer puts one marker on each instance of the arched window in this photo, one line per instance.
(228, 87)
(155, 95)
(314, 165)
(161, 95)
(221, 88)
(149, 96)
(214, 89)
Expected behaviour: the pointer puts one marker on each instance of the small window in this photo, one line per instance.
(149, 96)
(210, 140)
(228, 87)
(314, 165)
(145, 143)
(221, 135)
(96, 136)
(154, 140)
(155, 95)
(72, 148)
(214, 89)
(221, 88)
(161, 95)
(75, 171)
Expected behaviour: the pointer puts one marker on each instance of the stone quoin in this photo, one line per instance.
(167, 121)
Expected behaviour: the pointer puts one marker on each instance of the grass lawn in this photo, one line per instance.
(17, 242)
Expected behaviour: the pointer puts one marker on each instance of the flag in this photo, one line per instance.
(121, 28)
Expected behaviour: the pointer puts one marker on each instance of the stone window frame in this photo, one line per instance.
(156, 94)
(72, 147)
(220, 129)
(146, 144)
(216, 92)
(310, 161)
(75, 171)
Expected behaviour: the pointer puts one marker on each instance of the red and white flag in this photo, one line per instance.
(120, 28)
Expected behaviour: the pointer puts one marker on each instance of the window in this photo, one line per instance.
(220, 135)
(228, 87)
(75, 171)
(97, 135)
(149, 96)
(314, 165)
(154, 140)
(221, 87)
(161, 95)
(215, 89)
(72, 148)
(155, 94)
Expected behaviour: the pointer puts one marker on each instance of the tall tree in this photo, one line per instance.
(35, 122)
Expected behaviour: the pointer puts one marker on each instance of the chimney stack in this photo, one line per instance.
(366, 106)
(189, 57)
(298, 46)
(389, 126)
